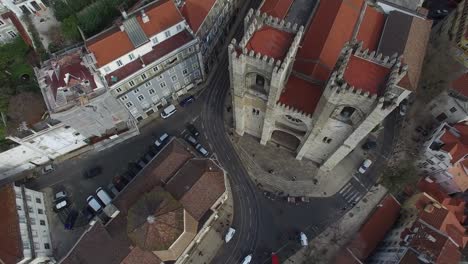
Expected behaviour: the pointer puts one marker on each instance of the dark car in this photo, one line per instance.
(369, 145)
(93, 172)
(186, 101)
(71, 219)
(193, 130)
(119, 182)
(191, 140)
(87, 213)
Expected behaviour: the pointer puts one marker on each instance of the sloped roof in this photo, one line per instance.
(11, 249)
(270, 41)
(461, 84)
(365, 75)
(195, 12)
(198, 184)
(301, 94)
(141, 257)
(276, 8)
(371, 28)
(456, 145)
(375, 228)
(163, 14)
(433, 189)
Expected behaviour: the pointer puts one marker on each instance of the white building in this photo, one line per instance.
(24, 7)
(25, 231)
(8, 31)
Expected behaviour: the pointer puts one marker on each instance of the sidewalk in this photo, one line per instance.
(324, 247)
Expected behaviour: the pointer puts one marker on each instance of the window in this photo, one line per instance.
(131, 83)
(22, 219)
(28, 197)
(453, 110)
(119, 90)
(40, 211)
(124, 98)
(179, 27)
(30, 209)
(166, 92)
(42, 222)
(441, 117)
(119, 63)
(190, 49)
(143, 76)
(151, 91)
(141, 97)
(12, 34)
(1, 23)
(18, 195)
(155, 41)
(148, 84)
(430, 162)
(38, 200)
(131, 56)
(171, 70)
(163, 84)
(185, 71)
(137, 90)
(155, 68)
(174, 78)
(195, 65)
(160, 77)
(33, 221)
(18, 208)
(167, 34)
(107, 69)
(46, 246)
(129, 104)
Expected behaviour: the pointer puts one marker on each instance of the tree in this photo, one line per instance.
(70, 29)
(396, 178)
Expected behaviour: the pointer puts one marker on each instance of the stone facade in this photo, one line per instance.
(344, 115)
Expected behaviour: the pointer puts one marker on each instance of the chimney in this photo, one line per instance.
(429, 208)
(124, 14)
(122, 28)
(144, 16)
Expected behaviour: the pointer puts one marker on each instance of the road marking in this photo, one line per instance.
(183, 131)
(353, 197)
(347, 186)
(357, 198)
(195, 118)
(359, 182)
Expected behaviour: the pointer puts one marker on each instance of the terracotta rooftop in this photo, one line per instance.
(197, 185)
(375, 228)
(137, 255)
(365, 75)
(301, 94)
(195, 12)
(270, 41)
(331, 27)
(276, 8)
(433, 189)
(371, 28)
(11, 250)
(456, 145)
(163, 14)
(461, 84)
(156, 53)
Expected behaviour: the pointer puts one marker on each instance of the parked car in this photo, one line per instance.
(142, 163)
(193, 130)
(92, 172)
(161, 141)
(103, 196)
(187, 100)
(88, 213)
(369, 145)
(119, 182)
(61, 204)
(403, 107)
(303, 239)
(365, 166)
(168, 111)
(71, 218)
(202, 150)
(247, 259)
(191, 140)
(94, 204)
(230, 234)
(113, 190)
(60, 195)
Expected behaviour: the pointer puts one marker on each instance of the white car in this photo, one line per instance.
(365, 166)
(230, 233)
(304, 240)
(60, 195)
(168, 111)
(247, 259)
(61, 204)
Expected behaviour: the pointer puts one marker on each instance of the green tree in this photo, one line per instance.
(70, 29)
(396, 178)
(62, 10)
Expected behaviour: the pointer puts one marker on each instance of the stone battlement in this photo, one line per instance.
(291, 110)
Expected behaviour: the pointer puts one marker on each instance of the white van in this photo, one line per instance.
(304, 240)
(247, 259)
(103, 196)
(168, 111)
(94, 204)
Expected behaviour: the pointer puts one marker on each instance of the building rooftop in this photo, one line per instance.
(11, 249)
(276, 8)
(456, 143)
(270, 41)
(301, 94)
(371, 28)
(162, 15)
(137, 255)
(365, 75)
(196, 11)
(460, 84)
(156, 53)
(197, 185)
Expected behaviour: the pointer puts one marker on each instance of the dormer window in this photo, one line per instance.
(167, 34)
(119, 63)
(131, 56)
(179, 27)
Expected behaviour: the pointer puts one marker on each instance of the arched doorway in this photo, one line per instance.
(257, 82)
(285, 139)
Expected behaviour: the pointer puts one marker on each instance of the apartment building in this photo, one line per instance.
(25, 231)
(210, 21)
(444, 157)
(426, 232)
(451, 106)
(154, 58)
(25, 7)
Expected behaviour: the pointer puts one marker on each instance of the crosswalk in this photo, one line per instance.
(352, 192)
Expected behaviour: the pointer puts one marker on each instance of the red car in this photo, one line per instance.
(274, 258)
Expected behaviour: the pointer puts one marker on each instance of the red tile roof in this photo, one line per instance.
(365, 75)
(345, 257)
(301, 94)
(433, 189)
(270, 41)
(11, 250)
(276, 8)
(162, 14)
(157, 52)
(375, 228)
(195, 12)
(137, 255)
(371, 28)
(456, 145)
(332, 26)
(461, 84)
